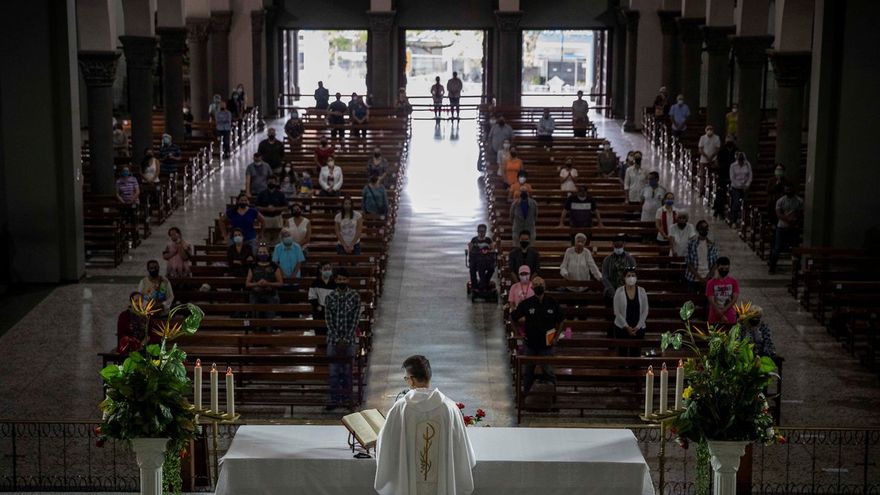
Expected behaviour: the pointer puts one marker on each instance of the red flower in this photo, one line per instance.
(183, 453)
(468, 420)
(481, 413)
(99, 443)
(98, 430)
(683, 443)
(459, 405)
(673, 430)
(782, 440)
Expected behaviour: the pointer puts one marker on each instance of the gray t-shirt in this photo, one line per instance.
(788, 205)
(259, 173)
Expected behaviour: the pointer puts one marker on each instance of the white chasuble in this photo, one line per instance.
(423, 449)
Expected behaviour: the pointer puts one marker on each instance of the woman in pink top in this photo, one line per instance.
(518, 293)
(177, 254)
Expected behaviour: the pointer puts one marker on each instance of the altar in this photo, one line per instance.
(314, 460)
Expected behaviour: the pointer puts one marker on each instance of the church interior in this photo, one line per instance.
(470, 246)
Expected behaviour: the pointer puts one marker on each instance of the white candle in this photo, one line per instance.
(664, 388)
(215, 403)
(679, 384)
(197, 384)
(230, 392)
(649, 391)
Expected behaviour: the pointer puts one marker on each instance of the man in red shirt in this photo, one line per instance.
(722, 292)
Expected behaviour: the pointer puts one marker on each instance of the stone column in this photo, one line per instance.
(172, 42)
(99, 72)
(508, 83)
(197, 42)
(272, 70)
(792, 69)
(258, 19)
(631, 123)
(218, 53)
(750, 53)
(140, 59)
(618, 72)
(671, 51)
(691, 61)
(718, 46)
(381, 74)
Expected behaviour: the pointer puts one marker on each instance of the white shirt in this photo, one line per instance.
(579, 266)
(298, 232)
(703, 258)
(651, 197)
(330, 181)
(670, 219)
(711, 146)
(679, 238)
(348, 227)
(633, 182)
(620, 307)
(568, 184)
(546, 126)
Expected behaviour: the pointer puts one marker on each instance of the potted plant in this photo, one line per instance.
(146, 399)
(724, 405)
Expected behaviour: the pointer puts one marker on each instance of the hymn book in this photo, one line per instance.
(364, 427)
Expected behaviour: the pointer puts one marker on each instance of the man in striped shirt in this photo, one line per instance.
(127, 189)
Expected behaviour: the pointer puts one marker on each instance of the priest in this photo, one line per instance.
(423, 449)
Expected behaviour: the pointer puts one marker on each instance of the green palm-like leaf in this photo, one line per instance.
(192, 322)
(665, 340)
(687, 310)
(676, 342)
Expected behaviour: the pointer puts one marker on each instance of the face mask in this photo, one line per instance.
(779, 174)
(680, 102)
(126, 173)
(653, 182)
(166, 141)
(238, 239)
(377, 155)
(618, 251)
(682, 225)
(723, 273)
(668, 202)
(262, 257)
(539, 290)
(342, 285)
(522, 180)
(524, 244)
(582, 196)
(789, 194)
(709, 133)
(327, 274)
(524, 196)
(287, 169)
(506, 145)
(630, 281)
(755, 322)
(703, 232)
(273, 186)
(154, 272)
(242, 206)
(288, 241)
(297, 213)
(638, 160)
(524, 279)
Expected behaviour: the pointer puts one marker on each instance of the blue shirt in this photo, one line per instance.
(244, 221)
(287, 258)
(679, 114)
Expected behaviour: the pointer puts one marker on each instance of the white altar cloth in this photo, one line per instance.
(314, 460)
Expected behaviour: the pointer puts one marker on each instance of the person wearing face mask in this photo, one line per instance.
(580, 109)
(634, 180)
(342, 311)
(128, 191)
(726, 157)
(520, 185)
(709, 146)
(740, 181)
(512, 167)
(120, 142)
(679, 114)
(349, 227)
(288, 255)
(545, 129)
(661, 111)
(169, 155)
(481, 259)
(521, 289)
(754, 329)
(702, 255)
(652, 197)
(543, 318)
(665, 218)
(578, 264)
(732, 120)
(378, 165)
(630, 312)
(775, 190)
(264, 278)
(358, 115)
(239, 255)
(256, 176)
(608, 164)
(271, 203)
(375, 198)
(524, 254)
(272, 151)
(223, 126)
(294, 130)
(214, 107)
(722, 292)
(288, 184)
(680, 234)
(321, 287)
(242, 217)
(567, 176)
(789, 211)
(498, 133)
(501, 158)
(580, 209)
(403, 106)
(523, 215)
(188, 119)
(300, 227)
(323, 152)
(614, 266)
(155, 287)
(336, 117)
(150, 167)
(330, 179)
(177, 254)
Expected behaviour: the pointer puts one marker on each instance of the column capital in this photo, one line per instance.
(172, 40)
(667, 21)
(751, 50)
(221, 20)
(197, 29)
(689, 29)
(792, 69)
(717, 38)
(632, 19)
(98, 67)
(140, 51)
(508, 20)
(258, 21)
(381, 21)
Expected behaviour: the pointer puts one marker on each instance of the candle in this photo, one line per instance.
(230, 392)
(664, 388)
(215, 403)
(679, 384)
(649, 391)
(197, 384)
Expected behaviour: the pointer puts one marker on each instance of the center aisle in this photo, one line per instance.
(424, 307)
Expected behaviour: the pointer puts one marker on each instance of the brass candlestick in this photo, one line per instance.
(215, 419)
(662, 419)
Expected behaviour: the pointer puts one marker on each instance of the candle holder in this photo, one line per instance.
(662, 419)
(215, 419)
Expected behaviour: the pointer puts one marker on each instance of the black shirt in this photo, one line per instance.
(273, 153)
(518, 258)
(480, 248)
(541, 316)
(337, 106)
(580, 211)
(272, 198)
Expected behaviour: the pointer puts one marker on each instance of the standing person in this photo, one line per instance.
(223, 126)
(322, 97)
(567, 176)
(579, 115)
(665, 218)
(614, 266)
(661, 111)
(789, 210)
(256, 176)
(288, 255)
(513, 167)
(437, 91)
(242, 217)
(453, 89)
(358, 115)
(608, 165)
(169, 155)
(403, 106)
(239, 101)
(294, 129)
(336, 117)
(652, 197)
(740, 181)
(239, 255)
(375, 199)
(272, 151)
(681, 234)
(578, 264)
(630, 312)
(520, 290)
(722, 292)
(726, 156)
(499, 132)
(349, 227)
(271, 203)
(501, 158)
(264, 278)
(634, 180)
(128, 191)
(188, 120)
(155, 287)
(524, 255)
(732, 120)
(177, 254)
(580, 209)
(378, 165)
(775, 190)
(150, 167)
(520, 185)
(523, 215)
(679, 113)
(545, 129)
(120, 141)
(330, 179)
(323, 152)
(321, 287)
(214, 107)
(702, 256)
(481, 258)
(342, 311)
(709, 146)
(401, 451)
(300, 227)
(543, 319)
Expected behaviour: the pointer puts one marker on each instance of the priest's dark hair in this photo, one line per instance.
(418, 367)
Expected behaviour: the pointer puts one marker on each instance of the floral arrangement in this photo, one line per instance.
(146, 396)
(724, 399)
(471, 420)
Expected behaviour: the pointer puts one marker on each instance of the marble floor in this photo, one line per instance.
(50, 366)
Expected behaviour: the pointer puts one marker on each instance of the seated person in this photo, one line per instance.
(630, 312)
(323, 152)
(289, 257)
(521, 184)
(567, 176)
(299, 227)
(375, 198)
(156, 287)
(681, 234)
(378, 164)
(524, 255)
(130, 330)
(578, 263)
(754, 329)
(481, 259)
(294, 129)
(263, 280)
(608, 163)
(150, 167)
(239, 254)
(323, 285)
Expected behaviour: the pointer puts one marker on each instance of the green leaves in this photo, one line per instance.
(687, 310)
(192, 322)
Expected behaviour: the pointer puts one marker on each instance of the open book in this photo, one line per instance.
(364, 426)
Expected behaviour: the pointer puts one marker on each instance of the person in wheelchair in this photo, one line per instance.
(481, 259)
